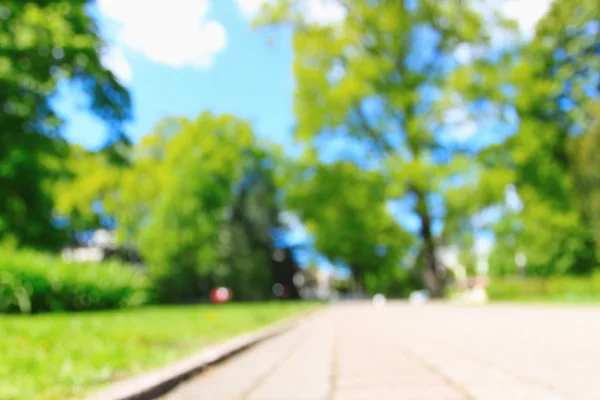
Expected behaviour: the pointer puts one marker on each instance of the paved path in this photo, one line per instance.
(403, 352)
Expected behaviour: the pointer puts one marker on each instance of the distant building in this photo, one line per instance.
(471, 289)
(324, 284)
(316, 285)
(449, 260)
(101, 247)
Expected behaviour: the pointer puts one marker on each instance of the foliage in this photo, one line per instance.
(383, 76)
(59, 356)
(556, 288)
(247, 239)
(431, 111)
(552, 242)
(555, 82)
(32, 282)
(586, 171)
(343, 286)
(90, 176)
(394, 283)
(332, 200)
(199, 202)
(41, 44)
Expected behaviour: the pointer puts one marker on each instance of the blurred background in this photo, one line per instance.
(154, 151)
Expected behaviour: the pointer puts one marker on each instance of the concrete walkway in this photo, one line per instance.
(402, 352)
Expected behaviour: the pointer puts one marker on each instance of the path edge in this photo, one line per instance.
(157, 382)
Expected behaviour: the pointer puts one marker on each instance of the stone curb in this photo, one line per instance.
(157, 382)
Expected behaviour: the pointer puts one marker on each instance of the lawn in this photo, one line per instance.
(554, 289)
(569, 300)
(58, 356)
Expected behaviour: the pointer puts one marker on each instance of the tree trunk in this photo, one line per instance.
(359, 288)
(431, 275)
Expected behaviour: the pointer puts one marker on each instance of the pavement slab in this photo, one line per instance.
(355, 351)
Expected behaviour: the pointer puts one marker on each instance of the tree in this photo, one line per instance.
(43, 43)
(78, 194)
(380, 75)
(555, 81)
(586, 169)
(199, 201)
(173, 202)
(248, 246)
(344, 208)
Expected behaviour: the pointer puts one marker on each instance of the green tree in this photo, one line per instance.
(248, 246)
(43, 43)
(199, 202)
(555, 81)
(344, 208)
(173, 202)
(381, 75)
(89, 177)
(586, 168)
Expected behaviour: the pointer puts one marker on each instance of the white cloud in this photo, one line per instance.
(324, 11)
(317, 11)
(114, 60)
(527, 13)
(250, 8)
(176, 33)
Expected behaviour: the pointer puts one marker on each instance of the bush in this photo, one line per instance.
(551, 288)
(31, 282)
(343, 286)
(396, 283)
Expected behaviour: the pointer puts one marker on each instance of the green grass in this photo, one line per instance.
(58, 356)
(575, 300)
(555, 289)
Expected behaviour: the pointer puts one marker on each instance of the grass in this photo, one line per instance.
(58, 356)
(567, 300)
(555, 289)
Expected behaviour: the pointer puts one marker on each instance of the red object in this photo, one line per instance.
(220, 295)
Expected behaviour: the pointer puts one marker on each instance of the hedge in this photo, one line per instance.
(32, 282)
(551, 288)
(397, 283)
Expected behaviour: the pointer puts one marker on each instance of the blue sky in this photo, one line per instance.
(245, 76)
(183, 57)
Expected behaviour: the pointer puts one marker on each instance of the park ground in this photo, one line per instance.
(60, 356)
(345, 351)
(355, 351)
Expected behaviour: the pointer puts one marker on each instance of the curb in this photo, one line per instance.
(157, 382)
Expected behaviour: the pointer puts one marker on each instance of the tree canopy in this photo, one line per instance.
(43, 44)
(199, 202)
(459, 128)
(332, 200)
(387, 74)
(556, 81)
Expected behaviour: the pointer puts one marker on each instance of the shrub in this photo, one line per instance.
(551, 288)
(395, 283)
(34, 282)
